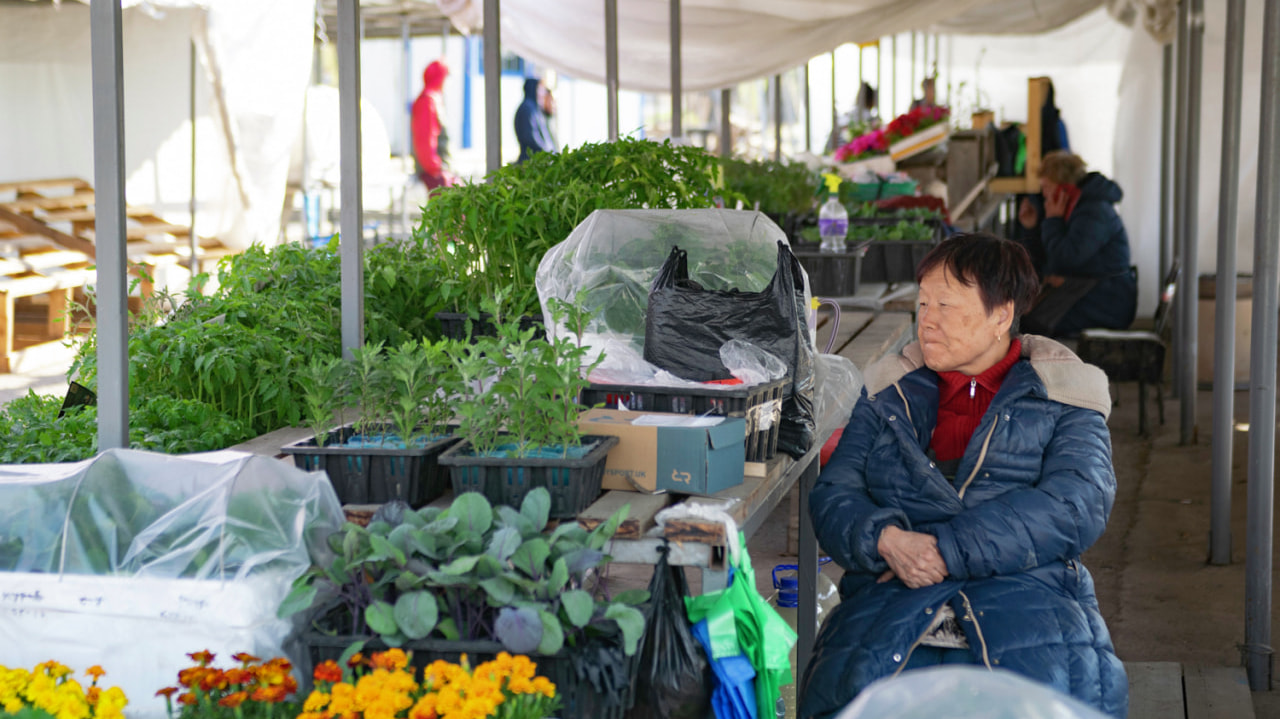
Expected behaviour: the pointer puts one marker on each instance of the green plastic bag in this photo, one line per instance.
(742, 622)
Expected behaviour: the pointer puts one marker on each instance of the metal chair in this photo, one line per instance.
(1134, 355)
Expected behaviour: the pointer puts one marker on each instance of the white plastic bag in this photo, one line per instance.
(963, 692)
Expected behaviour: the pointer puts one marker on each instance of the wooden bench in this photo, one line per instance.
(1169, 690)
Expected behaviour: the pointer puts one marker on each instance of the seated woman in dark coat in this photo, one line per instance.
(975, 470)
(1082, 243)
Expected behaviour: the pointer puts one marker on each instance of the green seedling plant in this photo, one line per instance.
(472, 571)
(368, 379)
(323, 381)
(410, 380)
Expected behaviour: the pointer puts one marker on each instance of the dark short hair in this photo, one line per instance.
(1000, 269)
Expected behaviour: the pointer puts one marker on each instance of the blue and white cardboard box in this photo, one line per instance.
(665, 452)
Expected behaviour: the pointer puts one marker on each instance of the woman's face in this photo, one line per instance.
(1047, 187)
(955, 331)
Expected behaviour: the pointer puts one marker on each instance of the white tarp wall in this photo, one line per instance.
(253, 64)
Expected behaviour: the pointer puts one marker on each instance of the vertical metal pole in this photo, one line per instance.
(807, 611)
(835, 108)
(879, 81)
(192, 243)
(726, 129)
(108, 180)
(859, 83)
(611, 64)
(1166, 159)
(677, 82)
(893, 80)
(912, 84)
(492, 85)
(1179, 183)
(406, 62)
(1224, 333)
(777, 117)
(351, 242)
(1188, 296)
(937, 47)
(1262, 367)
(808, 116)
(951, 52)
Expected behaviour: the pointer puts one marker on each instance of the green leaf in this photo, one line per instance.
(299, 598)
(381, 618)
(578, 605)
(632, 596)
(504, 543)
(630, 621)
(552, 633)
(416, 614)
(500, 590)
(607, 529)
(519, 629)
(510, 517)
(355, 648)
(559, 576)
(448, 629)
(536, 507)
(531, 557)
(461, 565)
(473, 512)
(384, 549)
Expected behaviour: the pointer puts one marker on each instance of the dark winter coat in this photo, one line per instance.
(531, 124)
(1092, 243)
(1033, 490)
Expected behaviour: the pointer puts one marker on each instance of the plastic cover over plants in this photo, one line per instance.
(960, 692)
(124, 512)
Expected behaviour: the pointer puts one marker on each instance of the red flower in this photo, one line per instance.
(328, 671)
(245, 658)
(233, 700)
(167, 692)
(202, 657)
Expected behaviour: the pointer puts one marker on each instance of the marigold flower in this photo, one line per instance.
(237, 676)
(328, 671)
(167, 692)
(355, 660)
(203, 657)
(245, 658)
(187, 699)
(317, 701)
(391, 659)
(233, 700)
(95, 671)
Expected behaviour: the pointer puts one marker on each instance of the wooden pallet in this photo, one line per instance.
(47, 254)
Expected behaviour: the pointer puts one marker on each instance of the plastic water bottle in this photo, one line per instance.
(786, 600)
(833, 219)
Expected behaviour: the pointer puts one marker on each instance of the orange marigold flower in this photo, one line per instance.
(272, 695)
(238, 676)
(95, 671)
(93, 694)
(214, 679)
(392, 660)
(279, 665)
(191, 676)
(233, 700)
(167, 692)
(328, 671)
(187, 699)
(202, 657)
(356, 660)
(245, 658)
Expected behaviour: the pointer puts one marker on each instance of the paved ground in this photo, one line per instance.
(1160, 597)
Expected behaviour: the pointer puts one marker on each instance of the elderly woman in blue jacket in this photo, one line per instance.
(973, 473)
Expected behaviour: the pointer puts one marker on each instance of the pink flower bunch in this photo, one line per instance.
(872, 143)
(877, 141)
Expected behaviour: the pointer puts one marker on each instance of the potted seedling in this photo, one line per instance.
(390, 450)
(479, 579)
(518, 416)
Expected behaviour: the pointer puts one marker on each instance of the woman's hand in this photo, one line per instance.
(1055, 204)
(1027, 215)
(912, 557)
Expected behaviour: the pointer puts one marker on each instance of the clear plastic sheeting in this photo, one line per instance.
(220, 516)
(613, 257)
(838, 386)
(961, 692)
(131, 560)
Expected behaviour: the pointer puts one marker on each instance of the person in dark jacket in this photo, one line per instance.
(1088, 281)
(531, 123)
(975, 470)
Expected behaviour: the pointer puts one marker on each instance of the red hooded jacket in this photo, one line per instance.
(426, 120)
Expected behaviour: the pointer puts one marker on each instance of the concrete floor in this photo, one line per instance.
(1160, 597)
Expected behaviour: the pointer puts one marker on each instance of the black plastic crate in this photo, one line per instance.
(760, 404)
(578, 698)
(375, 475)
(573, 483)
(454, 325)
(831, 274)
(894, 261)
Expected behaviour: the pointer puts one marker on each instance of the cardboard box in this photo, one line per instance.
(660, 455)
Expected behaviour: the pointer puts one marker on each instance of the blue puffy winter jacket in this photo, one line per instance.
(1032, 492)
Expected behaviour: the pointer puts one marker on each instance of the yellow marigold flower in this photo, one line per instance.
(425, 708)
(343, 698)
(544, 686)
(112, 703)
(95, 671)
(316, 702)
(394, 659)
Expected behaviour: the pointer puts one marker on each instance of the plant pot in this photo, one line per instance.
(760, 404)
(581, 697)
(831, 274)
(894, 260)
(374, 475)
(454, 325)
(574, 483)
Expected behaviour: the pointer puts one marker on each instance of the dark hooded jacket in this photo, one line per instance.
(1092, 242)
(1033, 491)
(531, 124)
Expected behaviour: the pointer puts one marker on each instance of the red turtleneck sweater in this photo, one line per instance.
(962, 400)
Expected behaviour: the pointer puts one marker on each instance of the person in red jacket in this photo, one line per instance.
(426, 128)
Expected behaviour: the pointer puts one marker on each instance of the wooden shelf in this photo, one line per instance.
(1014, 185)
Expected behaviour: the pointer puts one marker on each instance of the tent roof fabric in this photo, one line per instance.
(730, 41)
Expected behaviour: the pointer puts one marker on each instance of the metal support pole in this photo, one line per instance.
(806, 612)
(406, 62)
(677, 83)
(893, 80)
(937, 48)
(726, 129)
(808, 116)
(1262, 367)
(1224, 335)
(351, 242)
(1166, 169)
(492, 85)
(860, 75)
(879, 81)
(1188, 295)
(192, 244)
(777, 117)
(912, 85)
(611, 64)
(951, 51)
(835, 108)
(108, 180)
(1179, 183)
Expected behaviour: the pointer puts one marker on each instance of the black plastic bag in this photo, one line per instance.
(686, 325)
(675, 678)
